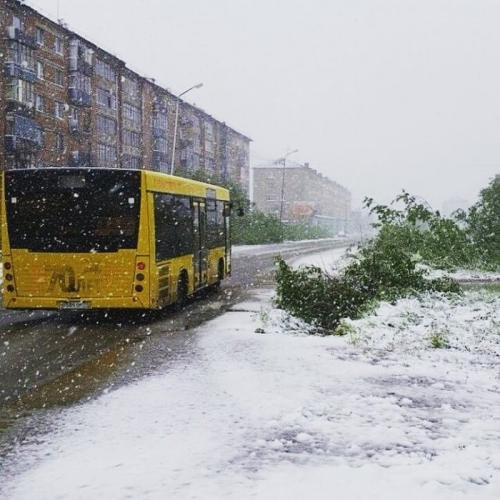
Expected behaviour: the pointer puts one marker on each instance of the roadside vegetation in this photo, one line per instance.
(411, 241)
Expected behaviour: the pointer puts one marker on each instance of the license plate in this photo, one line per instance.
(74, 304)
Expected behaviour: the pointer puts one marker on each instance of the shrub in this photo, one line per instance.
(440, 242)
(483, 220)
(381, 271)
(317, 298)
(386, 266)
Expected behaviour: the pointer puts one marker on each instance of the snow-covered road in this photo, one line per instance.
(262, 411)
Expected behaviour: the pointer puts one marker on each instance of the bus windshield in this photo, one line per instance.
(72, 210)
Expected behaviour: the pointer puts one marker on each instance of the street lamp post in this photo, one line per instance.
(197, 86)
(282, 203)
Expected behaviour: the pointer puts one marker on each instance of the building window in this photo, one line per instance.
(74, 113)
(17, 23)
(160, 121)
(58, 109)
(132, 138)
(130, 87)
(21, 54)
(59, 142)
(39, 70)
(209, 132)
(132, 113)
(129, 161)
(58, 45)
(160, 144)
(80, 81)
(106, 98)
(40, 103)
(104, 70)
(39, 35)
(58, 77)
(106, 155)
(20, 91)
(210, 165)
(271, 195)
(106, 125)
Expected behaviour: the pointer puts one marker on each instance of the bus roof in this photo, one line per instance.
(154, 181)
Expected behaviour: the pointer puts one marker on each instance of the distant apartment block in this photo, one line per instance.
(298, 193)
(67, 102)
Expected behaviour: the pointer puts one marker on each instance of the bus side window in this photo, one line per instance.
(173, 226)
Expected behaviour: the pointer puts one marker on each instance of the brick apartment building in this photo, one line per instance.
(66, 102)
(298, 193)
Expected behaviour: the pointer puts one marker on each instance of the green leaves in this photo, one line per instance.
(316, 297)
(443, 243)
(484, 222)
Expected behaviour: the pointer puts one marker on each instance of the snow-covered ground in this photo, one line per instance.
(261, 410)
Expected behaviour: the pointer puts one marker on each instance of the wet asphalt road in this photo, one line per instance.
(57, 359)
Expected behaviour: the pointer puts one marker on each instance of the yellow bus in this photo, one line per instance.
(90, 238)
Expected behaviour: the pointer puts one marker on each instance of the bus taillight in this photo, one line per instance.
(141, 266)
(7, 265)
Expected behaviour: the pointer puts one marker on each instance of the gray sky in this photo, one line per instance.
(379, 95)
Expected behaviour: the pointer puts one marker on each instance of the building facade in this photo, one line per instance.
(67, 102)
(298, 193)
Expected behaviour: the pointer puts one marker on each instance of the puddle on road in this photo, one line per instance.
(87, 380)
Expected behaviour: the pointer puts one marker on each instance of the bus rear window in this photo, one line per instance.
(62, 210)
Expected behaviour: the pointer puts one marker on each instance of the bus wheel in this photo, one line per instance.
(182, 289)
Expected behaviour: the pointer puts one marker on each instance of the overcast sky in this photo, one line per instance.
(379, 95)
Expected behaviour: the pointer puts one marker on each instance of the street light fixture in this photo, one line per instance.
(282, 203)
(197, 86)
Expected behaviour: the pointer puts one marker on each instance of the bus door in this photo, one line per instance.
(227, 236)
(200, 244)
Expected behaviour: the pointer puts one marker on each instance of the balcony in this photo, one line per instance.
(80, 65)
(159, 157)
(14, 70)
(21, 37)
(19, 108)
(24, 135)
(79, 159)
(159, 132)
(78, 97)
(186, 142)
(76, 128)
(187, 121)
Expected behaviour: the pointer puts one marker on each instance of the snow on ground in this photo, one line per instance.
(260, 410)
(329, 261)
